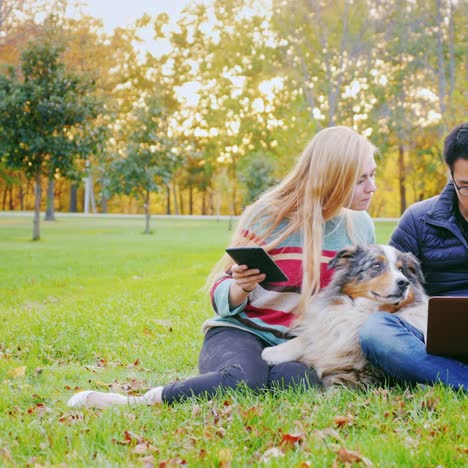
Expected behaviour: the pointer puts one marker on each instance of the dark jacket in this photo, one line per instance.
(429, 230)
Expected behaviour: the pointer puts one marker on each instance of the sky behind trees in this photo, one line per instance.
(238, 88)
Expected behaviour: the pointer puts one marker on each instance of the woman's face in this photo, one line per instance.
(365, 187)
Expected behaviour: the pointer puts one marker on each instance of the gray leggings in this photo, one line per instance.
(229, 357)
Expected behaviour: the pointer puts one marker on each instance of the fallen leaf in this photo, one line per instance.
(172, 463)
(252, 411)
(342, 421)
(102, 362)
(17, 372)
(40, 409)
(134, 364)
(350, 456)
(147, 461)
(100, 383)
(130, 439)
(273, 452)
(324, 433)
(292, 440)
(70, 418)
(225, 455)
(196, 410)
(5, 453)
(143, 448)
(431, 403)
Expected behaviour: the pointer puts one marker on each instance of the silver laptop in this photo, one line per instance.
(447, 326)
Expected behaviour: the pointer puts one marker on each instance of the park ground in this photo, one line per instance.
(96, 304)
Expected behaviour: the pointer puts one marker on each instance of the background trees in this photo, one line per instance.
(44, 119)
(239, 88)
(149, 158)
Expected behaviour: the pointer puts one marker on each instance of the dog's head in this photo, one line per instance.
(379, 273)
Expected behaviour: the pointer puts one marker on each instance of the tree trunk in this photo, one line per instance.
(11, 204)
(50, 209)
(181, 201)
(73, 198)
(451, 52)
(466, 64)
(89, 200)
(147, 214)
(21, 197)
(441, 59)
(168, 199)
(37, 207)
(30, 192)
(233, 198)
(402, 177)
(174, 197)
(104, 204)
(4, 198)
(335, 88)
(203, 202)
(307, 89)
(191, 200)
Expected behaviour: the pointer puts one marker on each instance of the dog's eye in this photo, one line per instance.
(401, 269)
(376, 266)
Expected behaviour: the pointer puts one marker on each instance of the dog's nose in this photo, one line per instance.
(403, 283)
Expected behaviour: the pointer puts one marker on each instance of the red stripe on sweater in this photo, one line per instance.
(270, 316)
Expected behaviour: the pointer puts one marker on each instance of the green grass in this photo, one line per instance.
(97, 304)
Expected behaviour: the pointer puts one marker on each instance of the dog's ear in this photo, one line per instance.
(412, 267)
(344, 257)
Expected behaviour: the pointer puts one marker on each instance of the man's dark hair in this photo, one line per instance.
(456, 145)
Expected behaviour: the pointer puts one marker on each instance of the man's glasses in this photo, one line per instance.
(463, 190)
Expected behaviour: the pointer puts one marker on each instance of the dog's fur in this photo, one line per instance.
(366, 280)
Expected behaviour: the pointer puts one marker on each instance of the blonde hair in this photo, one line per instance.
(318, 187)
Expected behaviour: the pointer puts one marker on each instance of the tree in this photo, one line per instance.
(149, 162)
(44, 117)
(256, 173)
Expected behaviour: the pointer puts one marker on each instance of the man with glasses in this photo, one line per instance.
(436, 232)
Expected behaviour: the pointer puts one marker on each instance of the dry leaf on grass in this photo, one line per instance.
(70, 418)
(39, 408)
(133, 364)
(273, 452)
(173, 462)
(130, 439)
(342, 421)
(196, 410)
(144, 448)
(17, 372)
(351, 456)
(327, 432)
(225, 456)
(292, 440)
(431, 403)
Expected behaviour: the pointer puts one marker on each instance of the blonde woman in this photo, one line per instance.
(318, 209)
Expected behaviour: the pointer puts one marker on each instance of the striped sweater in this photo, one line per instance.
(267, 311)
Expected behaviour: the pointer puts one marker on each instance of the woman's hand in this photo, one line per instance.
(245, 281)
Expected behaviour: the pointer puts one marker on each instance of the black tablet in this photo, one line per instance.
(256, 257)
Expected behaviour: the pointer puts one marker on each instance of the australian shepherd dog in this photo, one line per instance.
(366, 280)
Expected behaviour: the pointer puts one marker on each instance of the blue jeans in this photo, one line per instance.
(399, 350)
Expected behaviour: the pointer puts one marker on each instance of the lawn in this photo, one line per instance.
(97, 304)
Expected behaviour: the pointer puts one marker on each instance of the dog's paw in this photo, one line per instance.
(273, 355)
